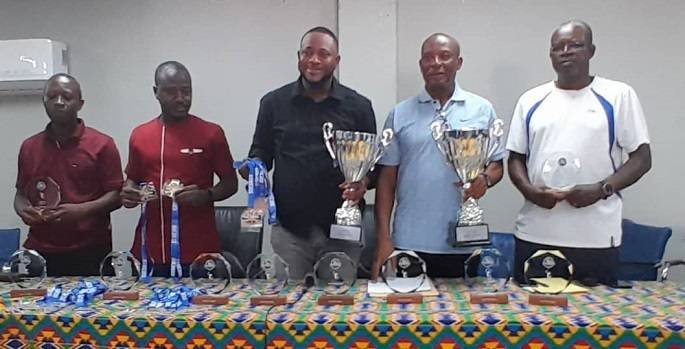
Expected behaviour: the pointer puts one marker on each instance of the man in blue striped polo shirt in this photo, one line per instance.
(597, 121)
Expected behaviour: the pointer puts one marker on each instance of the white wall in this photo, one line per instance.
(237, 50)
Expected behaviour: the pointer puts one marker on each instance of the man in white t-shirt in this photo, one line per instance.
(596, 120)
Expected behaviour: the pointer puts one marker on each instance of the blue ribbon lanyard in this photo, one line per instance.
(171, 297)
(81, 295)
(176, 271)
(258, 185)
(146, 275)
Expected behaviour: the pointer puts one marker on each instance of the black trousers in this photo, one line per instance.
(591, 265)
(75, 263)
(444, 265)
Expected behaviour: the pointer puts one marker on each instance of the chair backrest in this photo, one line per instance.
(506, 244)
(369, 235)
(9, 242)
(642, 247)
(244, 245)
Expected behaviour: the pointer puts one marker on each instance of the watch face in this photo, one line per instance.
(607, 189)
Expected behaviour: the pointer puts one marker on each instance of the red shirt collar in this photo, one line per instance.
(78, 132)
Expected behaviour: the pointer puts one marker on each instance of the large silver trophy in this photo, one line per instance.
(356, 153)
(468, 151)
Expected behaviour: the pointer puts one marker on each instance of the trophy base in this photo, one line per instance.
(252, 220)
(335, 300)
(121, 296)
(205, 299)
(404, 298)
(28, 292)
(554, 300)
(268, 300)
(346, 232)
(470, 235)
(489, 298)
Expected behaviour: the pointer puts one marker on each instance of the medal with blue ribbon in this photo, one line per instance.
(258, 192)
(148, 193)
(171, 297)
(80, 296)
(170, 189)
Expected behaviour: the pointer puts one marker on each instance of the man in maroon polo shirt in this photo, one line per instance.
(178, 145)
(75, 235)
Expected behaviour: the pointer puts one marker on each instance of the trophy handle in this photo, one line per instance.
(438, 128)
(328, 138)
(495, 137)
(386, 137)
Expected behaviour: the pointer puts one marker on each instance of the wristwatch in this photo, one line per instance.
(487, 179)
(607, 189)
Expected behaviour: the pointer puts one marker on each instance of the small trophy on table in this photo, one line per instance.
(27, 271)
(335, 273)
(488, 271)
(268, 275)
(120, 271)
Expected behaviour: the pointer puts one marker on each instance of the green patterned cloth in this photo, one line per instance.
(650, 315)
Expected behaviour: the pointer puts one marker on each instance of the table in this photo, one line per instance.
(650, 315)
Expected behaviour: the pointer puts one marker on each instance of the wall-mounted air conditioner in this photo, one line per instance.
(25, 65)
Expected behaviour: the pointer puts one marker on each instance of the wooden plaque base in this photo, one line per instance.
(121, 296)
(206, 299)
(335, 300)
(553, 300)
(489, 298)
(405, 298)
(268, 300)
(28, 292)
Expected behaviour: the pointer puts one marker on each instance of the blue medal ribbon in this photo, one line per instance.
(81, 295)
(171, 297)
(146, 275)
(258, 185)
(176, 271)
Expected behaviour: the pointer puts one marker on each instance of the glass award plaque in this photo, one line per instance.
(335, 273)
(43, 193)
(27, 271)
(120, 271)
(548, 274)
(487, 272)
(211, 274)
(267, 275)
(404, 272)
(560, 171)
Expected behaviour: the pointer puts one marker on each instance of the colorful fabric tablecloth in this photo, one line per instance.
(650, 315)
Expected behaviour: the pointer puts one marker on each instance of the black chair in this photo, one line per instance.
(9, 242)
(243, 245)
(641, 251)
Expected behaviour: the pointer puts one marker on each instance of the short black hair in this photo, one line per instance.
(169, 65)
(578, 23)
(322, 30)
(64, 75)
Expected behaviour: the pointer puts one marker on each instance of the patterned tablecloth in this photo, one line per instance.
(650, 315)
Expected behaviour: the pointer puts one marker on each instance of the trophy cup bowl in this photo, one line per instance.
(335, 273)
(488, 272)
(267, 275)
(549, 273)
(356, 153)
(468, 152)
(120, 271)
(27, 271)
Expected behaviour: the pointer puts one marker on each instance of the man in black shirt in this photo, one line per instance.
(288, 135)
